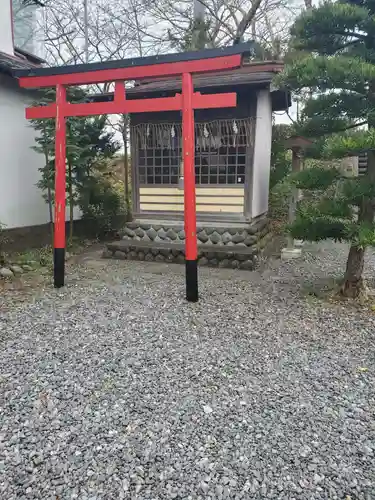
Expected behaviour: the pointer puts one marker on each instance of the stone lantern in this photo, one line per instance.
(297, 144)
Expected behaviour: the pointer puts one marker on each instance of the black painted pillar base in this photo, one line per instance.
(58, 267)
(191, 270)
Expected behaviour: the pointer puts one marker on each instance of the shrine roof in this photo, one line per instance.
(249, 73)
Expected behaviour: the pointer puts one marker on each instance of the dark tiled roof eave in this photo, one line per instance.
(206, 81)
(32, 58)
(11, 63)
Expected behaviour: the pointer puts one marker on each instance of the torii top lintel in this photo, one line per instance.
(132, 69)
(136, 68)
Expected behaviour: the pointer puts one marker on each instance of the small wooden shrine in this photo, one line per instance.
(232, 169)
(232, 152)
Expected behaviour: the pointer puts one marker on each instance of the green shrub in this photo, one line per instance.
(279, 201)
(103, 209)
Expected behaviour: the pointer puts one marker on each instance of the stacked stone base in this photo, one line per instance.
(236, 234)
(237, 246)
(208, 255)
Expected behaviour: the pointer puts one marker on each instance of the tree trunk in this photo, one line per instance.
(353, 281)
(71, 204)
(49, 188)
(247, 19)
(50, 209)
(353, 284)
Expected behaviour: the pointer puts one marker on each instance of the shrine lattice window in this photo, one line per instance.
(221, 152)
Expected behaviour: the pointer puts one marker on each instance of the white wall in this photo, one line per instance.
(262, 154)
(21, 202)
(6, 36)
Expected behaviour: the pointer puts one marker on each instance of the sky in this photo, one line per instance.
(282, 117)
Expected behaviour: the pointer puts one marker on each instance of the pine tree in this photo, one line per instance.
(334, 60)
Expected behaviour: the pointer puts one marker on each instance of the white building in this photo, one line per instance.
(21, 202)
(24, 26)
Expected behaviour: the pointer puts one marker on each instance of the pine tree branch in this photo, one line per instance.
(354, 125)
(324, 73)
(349, 106)
(321, 131)
(349, 143)
(352, 34)
(346, 45)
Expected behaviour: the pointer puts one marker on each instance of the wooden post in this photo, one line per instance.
(60, 172)
(191, 250)
(296, 167)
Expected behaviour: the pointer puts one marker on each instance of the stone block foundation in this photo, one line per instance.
(234, 246)
(208, 255)
(236, 234)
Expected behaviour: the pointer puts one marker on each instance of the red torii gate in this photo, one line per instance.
(184, 64)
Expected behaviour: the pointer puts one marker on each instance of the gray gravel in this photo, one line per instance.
(116, 388)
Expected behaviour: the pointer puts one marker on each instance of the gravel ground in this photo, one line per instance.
(116, 388)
